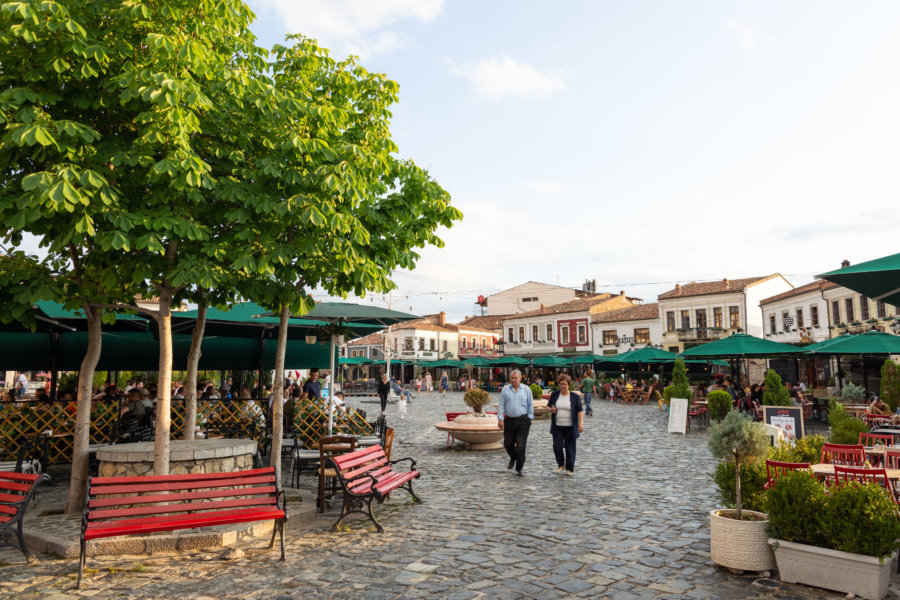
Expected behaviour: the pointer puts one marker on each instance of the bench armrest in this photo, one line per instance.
(344, 481)
(280, 495)
(412, 463)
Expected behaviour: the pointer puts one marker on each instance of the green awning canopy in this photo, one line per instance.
(878, 279)
(354, 360)
(512, 360)
(552, 361)
(448, 363)
(381, 363)
(646, 355)
(869, 343)
(477, 361)
(741, 345)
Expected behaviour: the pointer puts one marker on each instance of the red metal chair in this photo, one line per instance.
(870, 439)
(892, 458)
(776, 469)
(847, 455)
(877, 476)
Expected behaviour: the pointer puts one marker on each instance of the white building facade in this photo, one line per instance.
(528, 297)
(798, 316)
(619, 331)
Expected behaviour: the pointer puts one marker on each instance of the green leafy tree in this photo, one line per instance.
(680, 380)
(737, 439)
(890, 384)
(776, 393)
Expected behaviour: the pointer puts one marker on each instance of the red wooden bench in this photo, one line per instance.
(16, 493)
(146, 504)
(367, 475)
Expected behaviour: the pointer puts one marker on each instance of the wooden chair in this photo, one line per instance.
(776, 469)
(847, 455)
(331, 445)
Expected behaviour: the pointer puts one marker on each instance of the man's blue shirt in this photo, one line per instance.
(515, 403)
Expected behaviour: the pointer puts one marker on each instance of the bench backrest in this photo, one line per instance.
(356, 467)
(111, 498)
(14, 488)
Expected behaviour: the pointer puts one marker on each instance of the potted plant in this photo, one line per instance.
(738, 538)
(842, 540)
(719, 403)
(776, 394)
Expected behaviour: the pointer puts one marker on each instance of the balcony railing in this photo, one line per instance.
(692, 334)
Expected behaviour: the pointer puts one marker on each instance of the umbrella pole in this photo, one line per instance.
(331, 388)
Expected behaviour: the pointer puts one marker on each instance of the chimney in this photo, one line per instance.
(542, 308)
(442, 318)
(621, 292)
(725, 281)
(845, 263)
(678, 288)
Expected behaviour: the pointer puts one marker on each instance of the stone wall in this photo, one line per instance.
(241, 462)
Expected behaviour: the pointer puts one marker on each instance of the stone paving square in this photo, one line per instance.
(631, 523)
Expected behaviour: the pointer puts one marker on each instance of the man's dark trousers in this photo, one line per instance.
(515, 436)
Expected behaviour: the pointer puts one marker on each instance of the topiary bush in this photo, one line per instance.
(737, 440)
(536, 391)
(753, 478)
(776, 393)
(844, 428)
(719, 404)
(477, 399)
(680, 380)
(805, 450)
(890, 384)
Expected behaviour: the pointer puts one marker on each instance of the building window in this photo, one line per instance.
(786, 320)
(700, 315)
(685, 319)
(642, 336)
(432, 344)
(462, 342)
(610, 337)
(564, 335)
(836, 312)
(814, 316)
(734, 317)
(408, 344)
(549, 333)
(445, 346)
(851, 314)
(717, 317)
(421, 343)
(534, 333)
(511, 339)
(582, 334)
(863, 308)
(483, 343)
(670, 320)
(531, 299)
(881, 309)
(521, 335)
(772, 326)
(800, 318)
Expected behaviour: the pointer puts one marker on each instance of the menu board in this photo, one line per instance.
(678, 412)
(789, 419)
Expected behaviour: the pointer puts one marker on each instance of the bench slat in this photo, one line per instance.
(353, 473)
(162, 509)
(166, 487)
(152, 525)
(13, 476)
(14, 487)
(344, 461)
(142, 479)
(128, 500)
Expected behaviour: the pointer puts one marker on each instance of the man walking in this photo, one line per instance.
(588, 389)
(515, 412)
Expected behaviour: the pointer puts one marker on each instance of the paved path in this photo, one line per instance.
(631, 523)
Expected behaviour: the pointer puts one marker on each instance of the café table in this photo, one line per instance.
(822, 470)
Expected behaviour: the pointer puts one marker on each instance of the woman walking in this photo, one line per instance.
(566, 423)
(429, 383)
(445, 383)
(384, 390)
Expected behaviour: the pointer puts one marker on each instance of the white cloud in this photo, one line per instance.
(748, 36)
(353, 26)
(495, 78)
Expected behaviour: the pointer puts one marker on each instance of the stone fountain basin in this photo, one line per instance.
(480, 432)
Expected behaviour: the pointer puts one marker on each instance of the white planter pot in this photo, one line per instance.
(865, 576)
(741, 545)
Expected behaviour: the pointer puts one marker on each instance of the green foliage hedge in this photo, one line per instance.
(844, 428)
(805, 450)
(890, 384)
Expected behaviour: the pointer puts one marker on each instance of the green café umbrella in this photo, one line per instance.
(871, 342)
(588, 359)
(552, 361)
(741, 345)
(512, 360)
(354, 360)
(619, 358)
(448, 363)
(878, 279)
(477, 361)
(646, 355)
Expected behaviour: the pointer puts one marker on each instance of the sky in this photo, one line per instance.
(638, 143)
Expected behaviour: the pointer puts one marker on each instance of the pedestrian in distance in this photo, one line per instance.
(515, 412)
(588, 390)
(429, 383)
(384, 389)
(445, 383)
(401, 405)
(566, 424)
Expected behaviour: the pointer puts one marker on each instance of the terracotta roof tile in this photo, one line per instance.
(373, 339)
(577, 305)
(492, 323)
(704, 288)
(818, 285)
(642, 312)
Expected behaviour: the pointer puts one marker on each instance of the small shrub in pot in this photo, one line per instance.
(477, 399)
(737, 439)
(719, 403)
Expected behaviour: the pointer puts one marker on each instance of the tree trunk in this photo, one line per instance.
(190, 386)
(737, 485)
(79, 474)
(278, 393)
(164, 403)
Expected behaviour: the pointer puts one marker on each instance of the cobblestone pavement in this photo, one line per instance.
(631, 523)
